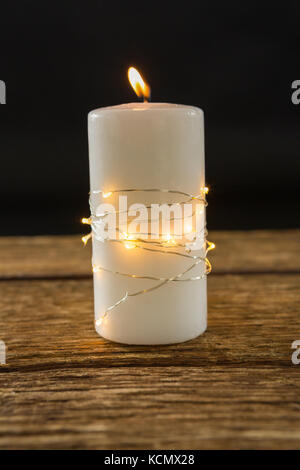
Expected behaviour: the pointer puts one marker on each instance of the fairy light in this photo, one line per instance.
(86, 238)
(188, 228)
(129, 245)
(96, 269)
(106, 195)
(166, 244)
(167, 240)
(211, 246)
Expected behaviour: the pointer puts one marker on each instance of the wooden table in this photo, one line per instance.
(234, 387)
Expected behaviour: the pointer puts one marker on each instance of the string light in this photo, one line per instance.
(167, 240)
(86, 221)
(188, 228)
(106, 195)
(129, 245)
(96, 269)
(211, 246)
(161, 245)
(86, 238)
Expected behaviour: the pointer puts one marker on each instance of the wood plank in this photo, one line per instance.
(211, 407)
(234, 387)
(256, 251)
(252, 321)
(65, 256)
(44, 256)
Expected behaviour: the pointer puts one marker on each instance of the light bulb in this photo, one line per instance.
(211, 245)
(96, 269)
(129, 246)
(86, 238)
(168, 240)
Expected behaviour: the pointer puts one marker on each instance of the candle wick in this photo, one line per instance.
(147, 99)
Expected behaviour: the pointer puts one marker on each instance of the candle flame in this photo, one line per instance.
(138, 84)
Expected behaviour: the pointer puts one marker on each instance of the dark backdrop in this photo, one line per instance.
(235, 60)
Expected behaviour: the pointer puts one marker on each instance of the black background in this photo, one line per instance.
(235, 60)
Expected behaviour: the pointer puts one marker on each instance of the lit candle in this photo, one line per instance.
(141, 146)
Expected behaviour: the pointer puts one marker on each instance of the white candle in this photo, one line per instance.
(147, 145)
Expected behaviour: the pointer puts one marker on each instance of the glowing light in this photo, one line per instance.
(86, 238)
(86, 221)
(138, 84)
(188, 228)
(211, 246)
(208, 266)
(168, 240)
(129, 245)
(96, 269)
(126, 236)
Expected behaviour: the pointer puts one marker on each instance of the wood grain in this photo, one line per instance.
(234, 387)
(151, 408)
(43, 256)
(65, 256)
(49, 324)
(256, 251)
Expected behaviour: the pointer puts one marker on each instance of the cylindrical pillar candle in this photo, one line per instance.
(146, 145)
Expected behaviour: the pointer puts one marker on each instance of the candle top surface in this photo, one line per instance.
(145, 106)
